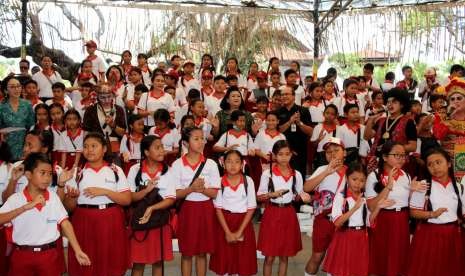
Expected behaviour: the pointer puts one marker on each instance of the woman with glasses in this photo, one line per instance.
(397, 127)
(17, 113)
(106, 118)
(451, 130)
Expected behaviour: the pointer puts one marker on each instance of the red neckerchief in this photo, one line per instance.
(48, 73)
(85, 76)
(198, 121)
(73, 137)
(186, 163)
(57, 129)
(34, 100)
(353, 128)
(38, 126)
(350, 194)
(351, 101)
(145, 170)
(341, 173)
(29, 198)
(444, 184)
(260, 116)
(268, 132)
(188, 77)
(327, 128)
(398, 174)
(126, 68)
(277, 172)
(91, 58)
(236, 133)
(136, 137)
(116, 87)
(161, 133)
(87, 166)
(252, 77)
(225, 182)
(152, 94)
(328, 97)
(207, 90)
(315, 103)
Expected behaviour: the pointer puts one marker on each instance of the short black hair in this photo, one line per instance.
(457, 68)
(289, 72)
(406, 67)
(25, 61)
(262, 99)
(162, 115)
(5, 153)
(33, 160)
(141, 87)
(219, 77)
(369, 67)
(331, 72)
(58, 85)
(390, 76)
(349, 106)
(231, 78)
(45, 138)
(236, 114)
(29, 81)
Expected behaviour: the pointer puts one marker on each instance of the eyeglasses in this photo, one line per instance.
(15, 86)
(458, 98)
(399, 155)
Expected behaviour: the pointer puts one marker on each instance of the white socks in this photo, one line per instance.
(307, 274)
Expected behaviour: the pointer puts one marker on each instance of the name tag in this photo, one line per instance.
(54, 221)
(109, 181)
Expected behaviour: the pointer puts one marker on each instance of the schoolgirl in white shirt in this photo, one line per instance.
(71, 140)
(151, 173)
(390, 239)
(130, 143)
(236, 138)
(98, 218)
(265, 139)
(235, 204)
(57, 127)
(437, 246)
(196, 214)
(317, 104)
(323, 132)
(280, 184)
(351, 133)
(169, 136)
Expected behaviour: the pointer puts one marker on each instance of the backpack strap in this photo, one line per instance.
(359, 137)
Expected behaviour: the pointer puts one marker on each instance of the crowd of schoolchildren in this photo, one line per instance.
(109, 170)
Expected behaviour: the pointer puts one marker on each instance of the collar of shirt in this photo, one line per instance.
(225, 182)
(29, 198)
(186, 163)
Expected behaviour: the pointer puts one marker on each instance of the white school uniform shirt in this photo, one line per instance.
(349, 137)
(180, 98)
(166, 188)
(68, 104)
(243, 139)
(251, 84)
(400, 191)
(149, 103)
(56, 138)
(280, 182)
(4, 177)
(103, 177)
(184, 90)
(327, 189)
(182, 173)
(146, 77)
(364, 148)
(442, 195)
(212, 104)
(98, 66)
(169, 138)
(264, 141)
(133, 150)
(356, 219)
(340, 102)
(45, 83)
(316, 111)
(299, 94)
(235, 199)
(328, 135)
(38, 225)
(70, 144)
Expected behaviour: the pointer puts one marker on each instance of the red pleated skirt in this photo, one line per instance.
(3, 257)
(56, 157)
(255, 170)
(347, 254)
(389, 243)
(149, 251)
(279, 232)
(323, 232)
(103, 237)
(71, 158)
(437, 250)
(196, 228)
(234, 258)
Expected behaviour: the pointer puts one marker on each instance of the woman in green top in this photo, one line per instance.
(232, 101)
(15, 112)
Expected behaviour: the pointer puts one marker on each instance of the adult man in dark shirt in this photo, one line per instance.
(294, 123)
